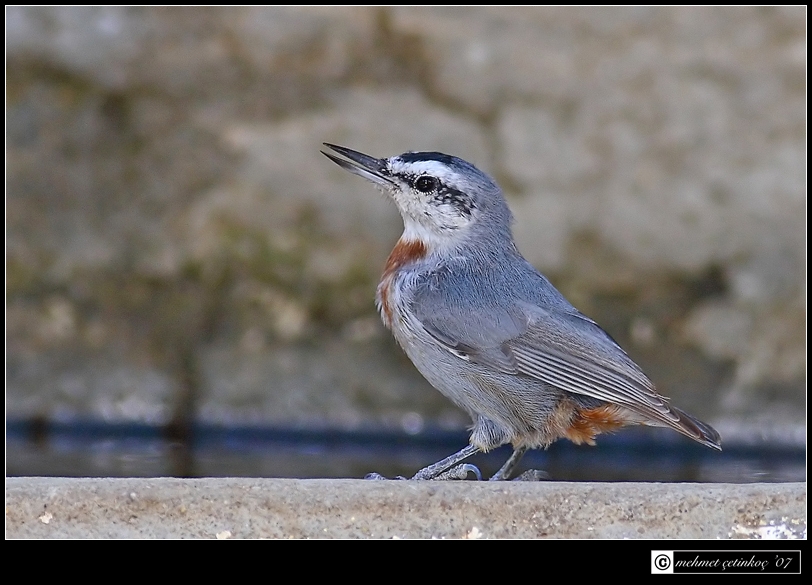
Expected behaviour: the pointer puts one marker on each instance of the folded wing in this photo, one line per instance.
(560, 347)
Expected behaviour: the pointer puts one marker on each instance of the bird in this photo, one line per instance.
(488, 330)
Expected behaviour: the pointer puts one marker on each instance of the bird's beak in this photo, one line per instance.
(372, 169)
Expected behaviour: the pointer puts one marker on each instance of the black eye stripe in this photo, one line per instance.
(449, 196)
(442, 194)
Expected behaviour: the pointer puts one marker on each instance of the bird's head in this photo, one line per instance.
(445, 201)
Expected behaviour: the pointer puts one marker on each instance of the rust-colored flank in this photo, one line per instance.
(404, 253)
(586, 424)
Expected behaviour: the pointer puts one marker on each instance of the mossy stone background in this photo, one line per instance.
(178, 249)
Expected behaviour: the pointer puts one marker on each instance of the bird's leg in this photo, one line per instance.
(505, 471)
(436, 470)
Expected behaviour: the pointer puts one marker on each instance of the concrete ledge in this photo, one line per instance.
(329, 508)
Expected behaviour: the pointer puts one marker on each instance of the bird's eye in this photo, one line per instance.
(426, 184)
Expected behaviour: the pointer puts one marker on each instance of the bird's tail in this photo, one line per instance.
(697, 430)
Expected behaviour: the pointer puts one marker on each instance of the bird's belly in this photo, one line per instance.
(521, 408)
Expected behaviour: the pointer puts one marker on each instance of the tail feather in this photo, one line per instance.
(697, 430)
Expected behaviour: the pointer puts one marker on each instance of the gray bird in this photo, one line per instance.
(488, 330)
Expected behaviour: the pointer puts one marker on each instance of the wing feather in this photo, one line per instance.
(544, 339)
(560, 348)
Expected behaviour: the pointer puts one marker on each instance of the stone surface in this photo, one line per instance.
(279, 508)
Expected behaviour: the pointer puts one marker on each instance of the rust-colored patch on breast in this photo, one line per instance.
(404, 253)
(384, 299)
(587, 423)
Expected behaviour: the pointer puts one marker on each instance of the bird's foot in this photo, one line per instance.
(532, 475)
(376, 476)
(442, 467)
(460, 472)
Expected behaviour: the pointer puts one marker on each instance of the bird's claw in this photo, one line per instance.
(461, 471)
(532, 475)
(376, 476)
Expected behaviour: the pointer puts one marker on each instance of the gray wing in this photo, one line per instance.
(558, 346)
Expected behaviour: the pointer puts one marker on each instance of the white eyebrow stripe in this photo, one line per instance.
(423, 167)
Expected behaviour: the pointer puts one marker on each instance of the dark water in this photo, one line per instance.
(95, 449)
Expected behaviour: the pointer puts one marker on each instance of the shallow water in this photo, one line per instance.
(96, 449)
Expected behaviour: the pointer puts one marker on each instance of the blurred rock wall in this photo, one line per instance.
(178, 249)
